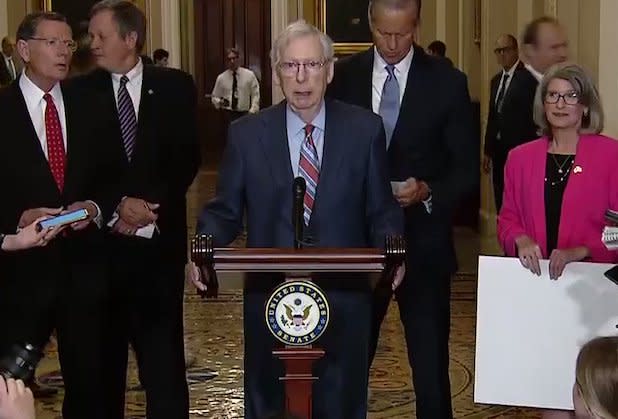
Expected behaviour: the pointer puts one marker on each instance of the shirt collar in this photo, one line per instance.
(402, 67)
(296, 124)
(536, 74)
(133, 74)
(511, 70)
(6, 57)
(33, 94)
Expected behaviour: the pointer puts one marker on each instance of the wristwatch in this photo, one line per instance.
(2, 236)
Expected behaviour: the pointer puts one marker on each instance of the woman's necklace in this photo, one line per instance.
(564, 173)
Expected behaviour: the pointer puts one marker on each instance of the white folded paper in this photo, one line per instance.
(145, 232)
(529, 330)
(396, 186)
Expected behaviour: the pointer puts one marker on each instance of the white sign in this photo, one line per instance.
(529, 330)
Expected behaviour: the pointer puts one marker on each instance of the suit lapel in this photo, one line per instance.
(334, 150)
(145, 111)
(365, 78)
(495, 83)
(537, 185)
(414, 96)
(575, 182)
(72, 136)
(32, 149)
(274, 141)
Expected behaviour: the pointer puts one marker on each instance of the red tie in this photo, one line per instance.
(55, 145)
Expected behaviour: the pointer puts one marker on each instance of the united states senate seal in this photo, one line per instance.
(297, 313)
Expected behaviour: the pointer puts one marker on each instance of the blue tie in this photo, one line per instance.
(389, 104)
(126, 116)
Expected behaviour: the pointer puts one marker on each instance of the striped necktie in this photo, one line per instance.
(127, 118)
(309, 169)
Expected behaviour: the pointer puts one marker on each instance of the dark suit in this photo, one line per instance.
(353, 208)
(66, 284)
(149, 273)
(432, 141)
(5, 75)
(514, 123)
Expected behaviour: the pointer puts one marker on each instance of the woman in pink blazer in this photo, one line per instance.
(557, 188)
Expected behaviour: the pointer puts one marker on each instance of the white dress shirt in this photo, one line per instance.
(134, 88)
(378, 78)
(510, 72)
(533, 71)
(134, 85)
(247, 88)
(36, 105)
(380, 74)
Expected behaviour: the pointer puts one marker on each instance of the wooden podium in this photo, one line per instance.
(295, 265)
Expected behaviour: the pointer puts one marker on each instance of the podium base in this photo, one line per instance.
(298, 362)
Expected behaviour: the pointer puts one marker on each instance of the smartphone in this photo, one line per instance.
(612, 274)
(60, 220)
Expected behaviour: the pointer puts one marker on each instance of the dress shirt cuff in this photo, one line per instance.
(428, 204)
(98, 220)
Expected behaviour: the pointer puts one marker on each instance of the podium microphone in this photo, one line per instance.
(300, 186)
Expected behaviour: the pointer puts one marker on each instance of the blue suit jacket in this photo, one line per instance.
(354, 206)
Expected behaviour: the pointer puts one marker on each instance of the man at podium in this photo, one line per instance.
(340, 151)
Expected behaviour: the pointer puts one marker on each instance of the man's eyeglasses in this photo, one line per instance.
(56, 43)
(570, 98)
(291, 68)
(502, 50)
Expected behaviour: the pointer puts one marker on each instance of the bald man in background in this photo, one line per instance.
(510, 121)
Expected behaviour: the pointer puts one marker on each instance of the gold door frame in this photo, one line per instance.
(343, 48)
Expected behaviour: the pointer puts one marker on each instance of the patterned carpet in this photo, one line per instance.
(214, 340)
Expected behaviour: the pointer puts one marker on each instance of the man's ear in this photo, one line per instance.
(276, 78)
(131, 40)
(330, 71)
(23, 49)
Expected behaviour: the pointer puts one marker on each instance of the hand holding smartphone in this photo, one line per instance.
(64, 219)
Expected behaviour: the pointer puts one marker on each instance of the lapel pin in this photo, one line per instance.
(577, 169)
(150, 92)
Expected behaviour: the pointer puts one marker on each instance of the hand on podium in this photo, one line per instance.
(198, 277)
(400, 273)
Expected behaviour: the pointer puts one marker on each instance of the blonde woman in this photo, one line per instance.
(595, 392)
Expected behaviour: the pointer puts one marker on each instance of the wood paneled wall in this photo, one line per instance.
(221, 24)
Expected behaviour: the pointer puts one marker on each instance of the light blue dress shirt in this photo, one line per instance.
(296, 135)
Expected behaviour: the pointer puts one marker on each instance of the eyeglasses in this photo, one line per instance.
(291, 68)
(55, 43)
(502, 50)
(570, 98)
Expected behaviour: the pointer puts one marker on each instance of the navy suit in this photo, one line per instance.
(354, 207)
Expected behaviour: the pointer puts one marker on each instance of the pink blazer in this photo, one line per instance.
(592, 188)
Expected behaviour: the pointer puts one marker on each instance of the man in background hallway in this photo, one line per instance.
(510, 121)
(433, 157)
(8, 69)
(544, 44)
(237, 90)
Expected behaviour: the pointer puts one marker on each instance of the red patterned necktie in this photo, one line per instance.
(309, 169)
(56, 155)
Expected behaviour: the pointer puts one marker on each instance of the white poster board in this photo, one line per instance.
(529, 330)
